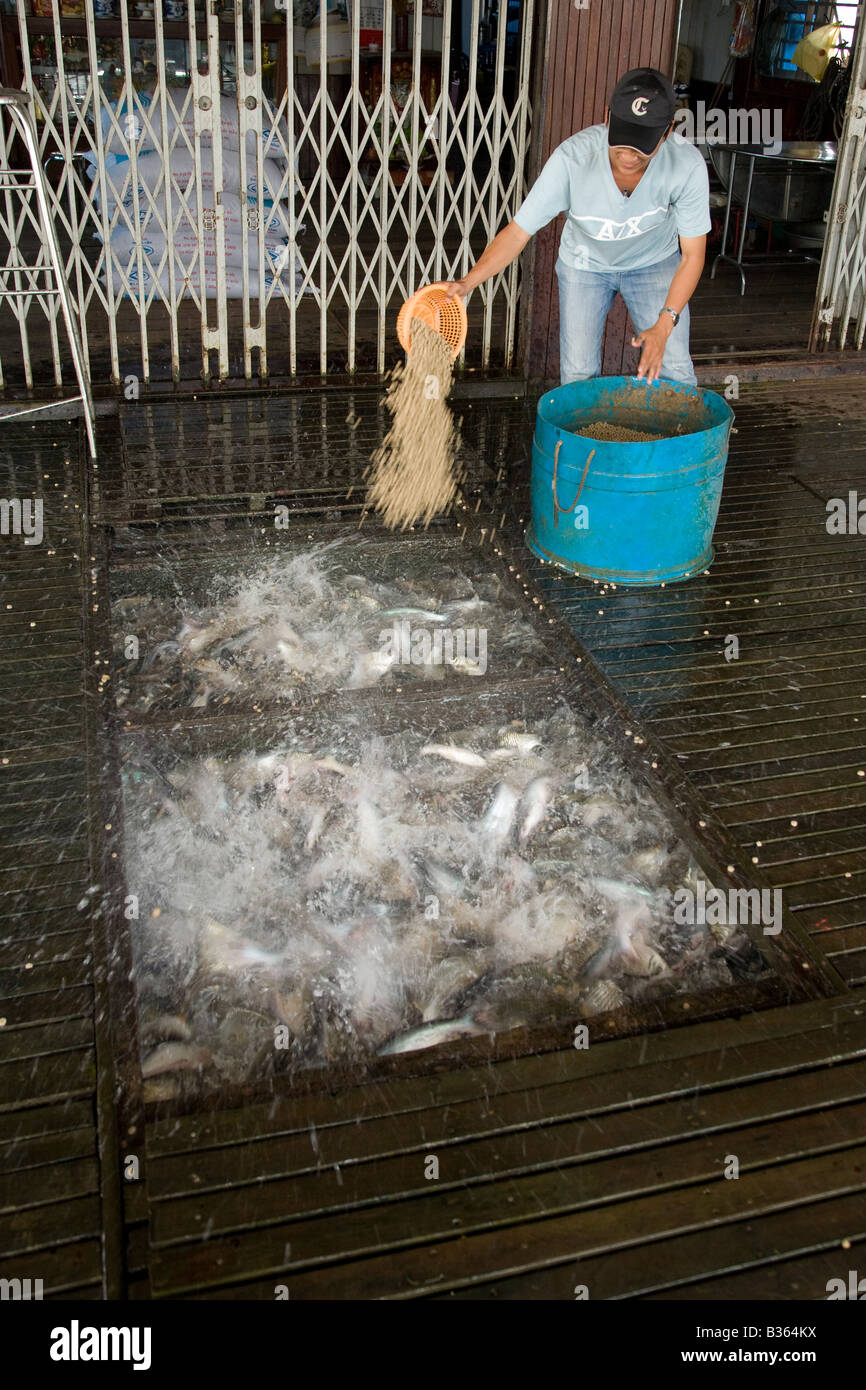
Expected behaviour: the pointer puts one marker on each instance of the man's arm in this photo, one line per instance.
(653, 340)
(503, 249)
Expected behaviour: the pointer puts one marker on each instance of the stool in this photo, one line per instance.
(26, 181)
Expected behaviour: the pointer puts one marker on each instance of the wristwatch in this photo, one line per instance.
(673, 313)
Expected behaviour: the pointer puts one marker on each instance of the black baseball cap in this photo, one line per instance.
(642, 106)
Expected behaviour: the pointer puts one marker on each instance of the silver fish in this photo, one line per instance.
(421, 614)
(164, 1027)
(170, 648)
(467, 665)
(451, 979)
(648, 864)
(536, 800)
(523, 743)
(464, 756)
(603, 997)
(197, 638)
(619, 891)
(499, 819)
(223, 950)
(369, 667)
(174, 1056)
(641, 959)
(233, 643)
(431, 1035)
(316, 826)
(598, 808)
(444, 879)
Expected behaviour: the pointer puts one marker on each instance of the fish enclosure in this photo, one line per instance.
(366, 812)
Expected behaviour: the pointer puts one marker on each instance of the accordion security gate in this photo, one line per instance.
(839, 318)
(173, 199)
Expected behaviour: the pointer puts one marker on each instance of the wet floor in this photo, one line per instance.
(756, 758)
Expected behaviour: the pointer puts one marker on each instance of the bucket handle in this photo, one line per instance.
(556, 507)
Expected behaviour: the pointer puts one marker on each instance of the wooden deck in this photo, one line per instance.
(602, 1167)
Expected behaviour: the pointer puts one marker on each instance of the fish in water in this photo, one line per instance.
(523, 743)
(451, 980)
(536, 799)
(642, 959)
(464, 756)
(164, 649)
(342, 885)
(444, 879)
(603, 997)
(420, 614)
(467, 666)
(174, 1056)
(597, 809)
(223, 950)
(648, 864)
(619, 892)
(431, 1035)
(499, 819)
(164, 1027)
(317, 824)
(370, 667)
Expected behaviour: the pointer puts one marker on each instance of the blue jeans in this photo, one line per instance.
(585, 297)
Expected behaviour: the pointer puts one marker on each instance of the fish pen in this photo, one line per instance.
(333, 852)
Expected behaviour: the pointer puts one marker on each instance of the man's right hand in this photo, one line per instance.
(454, 289)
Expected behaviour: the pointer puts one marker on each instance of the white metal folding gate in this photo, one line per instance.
(175, 199)
(840, 303)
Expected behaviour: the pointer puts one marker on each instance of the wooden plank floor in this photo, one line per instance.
(53, 1130)
(603, 1167)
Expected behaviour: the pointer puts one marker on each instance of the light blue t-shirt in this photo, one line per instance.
(604, 229)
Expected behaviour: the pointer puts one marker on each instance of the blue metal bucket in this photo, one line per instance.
(639, 513)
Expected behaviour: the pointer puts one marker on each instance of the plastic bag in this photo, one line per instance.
(814, 51)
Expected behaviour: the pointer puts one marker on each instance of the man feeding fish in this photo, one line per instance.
(636, 199)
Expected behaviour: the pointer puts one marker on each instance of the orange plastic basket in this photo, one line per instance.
(443, 315)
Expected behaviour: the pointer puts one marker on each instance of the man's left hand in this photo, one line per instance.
(653, 343)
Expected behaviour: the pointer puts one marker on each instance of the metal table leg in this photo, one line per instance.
(723, 256)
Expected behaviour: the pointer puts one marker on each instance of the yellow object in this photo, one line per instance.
(445, 316)
(815, 50)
